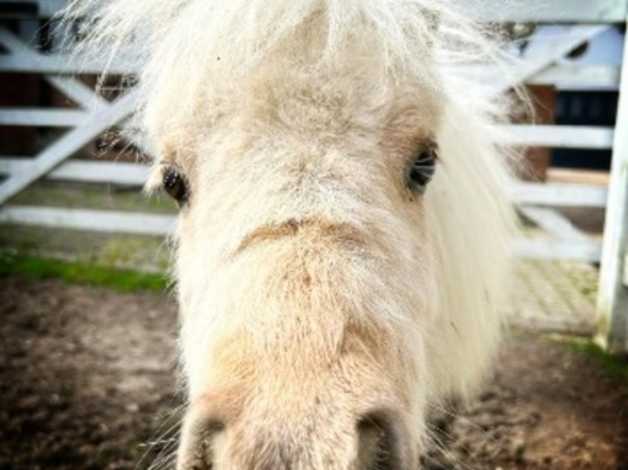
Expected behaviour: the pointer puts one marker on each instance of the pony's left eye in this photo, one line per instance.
(175, 185)
(423, 168)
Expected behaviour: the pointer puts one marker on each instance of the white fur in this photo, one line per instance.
(308, 110)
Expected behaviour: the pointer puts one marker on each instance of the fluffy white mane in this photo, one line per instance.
(183, 47)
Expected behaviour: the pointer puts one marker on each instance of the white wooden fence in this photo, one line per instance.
(538, 202)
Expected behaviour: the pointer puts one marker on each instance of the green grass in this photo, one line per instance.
(117, 251)
(614, 366)
(36, 268)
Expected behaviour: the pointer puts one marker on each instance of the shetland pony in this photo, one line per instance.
(343, 237)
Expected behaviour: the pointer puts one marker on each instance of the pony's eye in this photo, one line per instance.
(423, 168)
(175, 185)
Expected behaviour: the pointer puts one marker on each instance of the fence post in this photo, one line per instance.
(612, 302)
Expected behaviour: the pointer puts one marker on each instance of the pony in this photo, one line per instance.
(343, 239)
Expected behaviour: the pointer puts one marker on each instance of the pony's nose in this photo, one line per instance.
(207, 445)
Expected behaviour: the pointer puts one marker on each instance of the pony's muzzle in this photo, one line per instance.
(373, 441)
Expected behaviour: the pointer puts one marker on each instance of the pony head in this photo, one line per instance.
(343, 235)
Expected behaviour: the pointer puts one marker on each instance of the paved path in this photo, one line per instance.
(554, 296)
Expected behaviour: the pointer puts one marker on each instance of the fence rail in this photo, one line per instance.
(544, 11)
(91, 220)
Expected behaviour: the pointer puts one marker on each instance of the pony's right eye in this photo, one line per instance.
(176, 185)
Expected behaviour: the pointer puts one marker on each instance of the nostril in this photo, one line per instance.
(379, 446)
(197, 450)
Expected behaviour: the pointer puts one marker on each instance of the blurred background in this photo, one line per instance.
(87, 348)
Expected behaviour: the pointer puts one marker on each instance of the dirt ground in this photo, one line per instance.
(87, 381)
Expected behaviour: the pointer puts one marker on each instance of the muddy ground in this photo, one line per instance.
(87, 381)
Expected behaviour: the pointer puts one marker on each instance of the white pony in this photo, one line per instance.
(343, 237)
